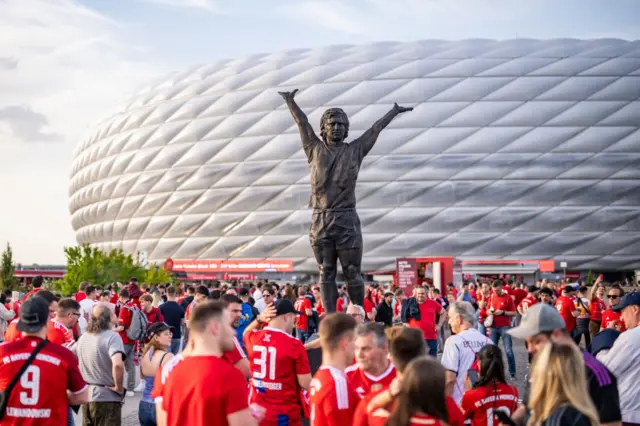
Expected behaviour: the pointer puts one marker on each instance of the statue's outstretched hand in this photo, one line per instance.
(288, 96)
(400, 109)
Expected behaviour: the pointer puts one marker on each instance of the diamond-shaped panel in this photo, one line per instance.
(518, 148)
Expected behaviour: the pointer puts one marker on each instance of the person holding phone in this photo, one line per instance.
(488, 393)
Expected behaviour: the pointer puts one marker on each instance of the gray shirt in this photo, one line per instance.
(94, 352)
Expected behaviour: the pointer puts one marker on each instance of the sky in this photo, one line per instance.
(67, 64)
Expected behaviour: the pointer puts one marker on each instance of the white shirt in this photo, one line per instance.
(260, 305)
(459, 355)
(257, 294)
(86, 306)
(623, 360)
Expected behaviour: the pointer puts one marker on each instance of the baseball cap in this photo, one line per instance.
(539, 318)
(569, 289)
(284, 306)
(155, 328)
(34, 314)
(628, 299)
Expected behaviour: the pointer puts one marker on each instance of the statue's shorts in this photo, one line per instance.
(337, 228)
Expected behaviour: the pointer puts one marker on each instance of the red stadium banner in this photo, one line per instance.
(233, 266)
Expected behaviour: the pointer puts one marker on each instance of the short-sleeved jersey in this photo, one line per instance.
(480, 405)
(364, 383)
(40, 397)
(597, 307)
(187, 314)
(362, 418)
(340, 304)
(302, 320)
(124, 319)
(220, 388)
(501, 303)
(527, 302)
(333, 400)
(276, 358)
(161, 377)
(235, 354)
(609, 319)
(12, 334)
(565, 307)
(60, 335)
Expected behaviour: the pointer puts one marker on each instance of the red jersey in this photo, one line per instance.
(361, 418)
(80, 296)
(124, 318)
(190, 306)
(565, 306)
(364, 383)
(235, 354)
(340, 304)
(397, 308)
(597, 307)
(60, 335)
(380, 416)
(12, 334)
(527, 302)
(429, 311)
(302, 320)
(40, 397)
(154, 315)
(113, 299)
(333, 400)
(31, 293)
(161, 377)
(518, 295)
(501, 303)
(319, 308)
(276, 358)
(220, 387)
(609, 318)
(368, 306)
(479, 405)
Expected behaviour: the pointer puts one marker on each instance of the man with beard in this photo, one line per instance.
(204, 389)
(236, 356)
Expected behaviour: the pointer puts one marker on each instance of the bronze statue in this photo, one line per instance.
(335, 227)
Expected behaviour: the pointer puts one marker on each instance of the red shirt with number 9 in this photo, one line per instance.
(40, 397)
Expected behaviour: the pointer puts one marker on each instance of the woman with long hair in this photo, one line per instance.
(156, 353)
(421, 399)
(559, 394)
(597, 306)
(490, 393)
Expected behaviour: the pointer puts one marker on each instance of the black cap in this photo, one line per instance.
(569, 289)
(284, 306)
(629, 299)
(34, 314)
(155, 328)
(532, 289)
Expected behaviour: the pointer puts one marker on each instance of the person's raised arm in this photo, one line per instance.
(309, 138)
(369, 138)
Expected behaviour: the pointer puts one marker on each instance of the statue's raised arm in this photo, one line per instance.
(309, 138)
(369, 138)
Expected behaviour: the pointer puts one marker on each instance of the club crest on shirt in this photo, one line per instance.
(375, 387)
(360, 391)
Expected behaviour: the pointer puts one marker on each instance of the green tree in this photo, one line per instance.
(158, 275)
(86, 263)
(7, 278)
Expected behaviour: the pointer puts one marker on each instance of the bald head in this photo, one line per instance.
(102, 318)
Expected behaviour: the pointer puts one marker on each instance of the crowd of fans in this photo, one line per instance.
(259, 353)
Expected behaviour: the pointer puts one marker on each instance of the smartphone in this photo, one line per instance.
(473, 377)
(504, 418)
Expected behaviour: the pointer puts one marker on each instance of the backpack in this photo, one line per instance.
(138, 325)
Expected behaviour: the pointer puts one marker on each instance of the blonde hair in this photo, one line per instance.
(559, 379)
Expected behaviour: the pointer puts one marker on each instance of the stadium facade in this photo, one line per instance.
(518, 149)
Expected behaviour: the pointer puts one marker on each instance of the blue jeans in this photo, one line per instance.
(433, 346)
(302, 335)
(70, 421)
(147, 413)
(494, 335)
(175, 346)
(482, 329)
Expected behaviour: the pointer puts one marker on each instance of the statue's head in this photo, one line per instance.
(334, 126)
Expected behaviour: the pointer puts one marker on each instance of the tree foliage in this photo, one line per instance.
(86, 263)
(7, 278)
